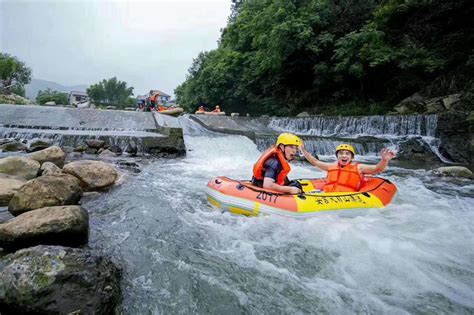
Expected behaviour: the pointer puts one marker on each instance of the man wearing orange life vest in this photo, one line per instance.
(273, 166)
(343, 175)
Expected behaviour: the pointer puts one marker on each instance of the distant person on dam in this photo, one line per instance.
(343, 175)
(272, 168)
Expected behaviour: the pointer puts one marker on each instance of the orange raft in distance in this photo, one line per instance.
(241, 197)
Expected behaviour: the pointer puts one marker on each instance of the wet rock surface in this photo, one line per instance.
(52, 154)
(58, 280)
(19, 166)
(64, 225)
(46, 191)
(9, 185)
(93, 175)
(454, 171)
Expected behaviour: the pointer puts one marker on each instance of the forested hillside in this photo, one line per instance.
(281, 57)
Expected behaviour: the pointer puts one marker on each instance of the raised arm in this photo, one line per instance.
(314, 161)
(386, 156)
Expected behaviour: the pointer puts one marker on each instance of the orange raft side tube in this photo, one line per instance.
(241, 197)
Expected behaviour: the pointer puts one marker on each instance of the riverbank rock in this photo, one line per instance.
(132, 148)
(46, 191)
(94, 175)
(49, 168)
(63, 225)
(107, 154)
(19, 166)
(454, 171)
(456, 133)
(97, 144)
(303, 114)
(9, 185)
(416, 149)
(58, 280)
(37, 145)
(13, 146)
(52, 154)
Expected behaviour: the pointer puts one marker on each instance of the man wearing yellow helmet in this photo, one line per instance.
(343, 175)
(273, 166)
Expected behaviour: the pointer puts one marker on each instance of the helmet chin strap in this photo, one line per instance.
(284, 152)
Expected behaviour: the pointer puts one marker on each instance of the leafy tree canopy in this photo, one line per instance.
(111, 92)
(49, 95)
(284, 56)
(14, 74)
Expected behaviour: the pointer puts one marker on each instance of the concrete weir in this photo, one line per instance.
(151, 132)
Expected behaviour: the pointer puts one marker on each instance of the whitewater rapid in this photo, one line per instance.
(180, 256)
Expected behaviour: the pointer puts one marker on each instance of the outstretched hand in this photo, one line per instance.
(387, 154)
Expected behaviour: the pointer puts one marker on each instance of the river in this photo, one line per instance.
(181, 256)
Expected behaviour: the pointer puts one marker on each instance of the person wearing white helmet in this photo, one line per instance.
(272, 168)
(343, 175)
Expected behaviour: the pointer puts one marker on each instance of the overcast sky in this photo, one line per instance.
(149, 44)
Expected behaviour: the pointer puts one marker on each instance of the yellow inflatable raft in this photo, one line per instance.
(241, 197)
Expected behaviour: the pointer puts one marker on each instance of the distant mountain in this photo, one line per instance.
(36, 85)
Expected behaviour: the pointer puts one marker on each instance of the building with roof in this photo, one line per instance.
(76, 97)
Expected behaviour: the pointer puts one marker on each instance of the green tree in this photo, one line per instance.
(49, 95)
(13, 73)
(111, 92)
(285, 56)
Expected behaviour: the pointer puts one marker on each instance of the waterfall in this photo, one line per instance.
(353, 127)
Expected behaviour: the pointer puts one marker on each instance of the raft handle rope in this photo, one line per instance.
(365, 193)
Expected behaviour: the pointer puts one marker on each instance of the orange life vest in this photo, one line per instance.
(343, 179)
(259, 167)
(154, 97)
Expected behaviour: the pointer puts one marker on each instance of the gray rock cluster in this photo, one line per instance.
(46, 274)
(100, 147)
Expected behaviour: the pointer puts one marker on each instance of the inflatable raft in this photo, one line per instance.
(172, 111)
(210, 113)
(241, 197)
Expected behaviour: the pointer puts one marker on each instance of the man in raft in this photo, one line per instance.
(343, 175)
(217, 109)
(273, 166)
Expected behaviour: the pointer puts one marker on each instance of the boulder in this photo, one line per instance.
(303, 114)
(63, 225)
(50, 103)
(414, 103)
(19, 166)
(115, 149)
(234, 114)
(94, 175)
(453, 171)
(67, 149)
(9, 185)
(91, 151)
(52, 154)
(49, 168)
(451, 101)
(416, 149)
(107, 153)
(132, 148)
(13, 146)
(58, 280)
(434, 106)
(80, 148)
(46, 191)
(38, 144)
(93, 143)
